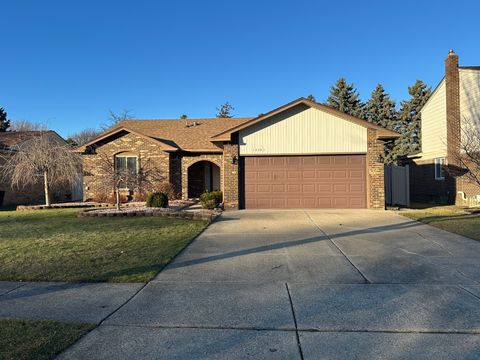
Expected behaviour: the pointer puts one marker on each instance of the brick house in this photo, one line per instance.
(9, 141)
(300, 155)
(455, 100)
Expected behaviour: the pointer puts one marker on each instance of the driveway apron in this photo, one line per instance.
(304, 284)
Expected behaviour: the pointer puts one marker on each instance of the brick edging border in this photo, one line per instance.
(178, 214)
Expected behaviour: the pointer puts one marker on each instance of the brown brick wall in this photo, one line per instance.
(375, 171)
(132, 143)
(423, 186)
(231, 174)
(188, 160)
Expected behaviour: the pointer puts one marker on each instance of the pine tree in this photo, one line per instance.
(380, 109)
(4, 122)
(409, 122)
(344, 97)
(225, 110)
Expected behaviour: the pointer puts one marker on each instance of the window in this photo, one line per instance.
(126, 170)
(439, 164)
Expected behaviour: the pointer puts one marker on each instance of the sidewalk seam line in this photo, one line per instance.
(122, 305)
(367, 281)
(297, 335)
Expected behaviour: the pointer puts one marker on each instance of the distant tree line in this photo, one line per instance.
(381, 110)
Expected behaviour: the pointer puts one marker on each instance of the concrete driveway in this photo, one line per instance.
(330, 284)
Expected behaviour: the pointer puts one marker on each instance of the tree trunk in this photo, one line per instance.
(45, 184)
(118, 198)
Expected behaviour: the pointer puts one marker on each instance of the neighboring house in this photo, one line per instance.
(455, 100)
(301, 155)
(9, 142)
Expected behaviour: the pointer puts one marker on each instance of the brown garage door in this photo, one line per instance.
(282, 182)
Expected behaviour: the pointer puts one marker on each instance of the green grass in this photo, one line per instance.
(449, 218)
(56, 245)
(20, 339)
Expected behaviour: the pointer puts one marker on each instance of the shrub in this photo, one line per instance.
(157, 199)
(112, 198)
(166, 188)
(139, 195)
(102, 197)
(211, 200)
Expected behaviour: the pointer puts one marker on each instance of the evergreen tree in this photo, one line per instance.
(409, 122)
(380, 109)
(4, 122)
(183, 116)
(311, 97)
(344, 97)
(225, 110)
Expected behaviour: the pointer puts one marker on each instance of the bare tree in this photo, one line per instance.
(144, 178)
(225, 110)
(25, 125)
(41, 159)
(83, 136)
(466, 162)
(115, 118)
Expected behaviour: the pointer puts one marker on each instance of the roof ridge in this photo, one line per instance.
(192, 119)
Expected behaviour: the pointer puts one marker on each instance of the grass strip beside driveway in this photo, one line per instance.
(56, 245)
(39, 339)
(449, 218)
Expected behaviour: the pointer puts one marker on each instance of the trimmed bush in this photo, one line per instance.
(211, 200)
(157, 199)
(166, 188)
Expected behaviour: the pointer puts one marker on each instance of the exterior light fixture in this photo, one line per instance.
(234, 159)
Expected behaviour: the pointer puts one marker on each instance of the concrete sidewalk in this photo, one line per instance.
(285, 285)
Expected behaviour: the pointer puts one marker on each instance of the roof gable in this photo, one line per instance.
(191, 135)
(163, 145)
(381, 132)
(9, 139)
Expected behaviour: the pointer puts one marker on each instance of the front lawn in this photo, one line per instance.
(450, 218)
(21, 339)
(56, 245)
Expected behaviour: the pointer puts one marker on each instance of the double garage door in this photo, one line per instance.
(286, 182)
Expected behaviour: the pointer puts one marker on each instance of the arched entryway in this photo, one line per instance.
(203, 176)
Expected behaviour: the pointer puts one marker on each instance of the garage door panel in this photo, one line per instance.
(308, 188)
(327, 181)
(294, 188)
(324, 188)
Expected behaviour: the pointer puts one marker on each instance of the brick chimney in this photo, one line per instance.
(452, 84)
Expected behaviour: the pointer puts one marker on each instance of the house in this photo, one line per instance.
(9, 142)
(454, 102)
(300, 155)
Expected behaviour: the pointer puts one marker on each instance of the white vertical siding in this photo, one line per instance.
(470, 96)
(434, 124)
(303, 130)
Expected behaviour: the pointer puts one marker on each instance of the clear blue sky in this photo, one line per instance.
(67, 63)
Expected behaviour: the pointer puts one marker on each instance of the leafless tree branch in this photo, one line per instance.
(41, 159)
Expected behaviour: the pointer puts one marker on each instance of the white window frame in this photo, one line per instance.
(439, 172)
(126, 155)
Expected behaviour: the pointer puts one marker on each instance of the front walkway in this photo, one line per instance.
(327, 284)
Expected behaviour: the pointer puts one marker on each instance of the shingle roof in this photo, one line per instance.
(184, 134)
(12, 138)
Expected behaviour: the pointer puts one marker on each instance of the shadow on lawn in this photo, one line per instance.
(442, 218)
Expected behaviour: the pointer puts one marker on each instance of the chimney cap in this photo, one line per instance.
(451, 52)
